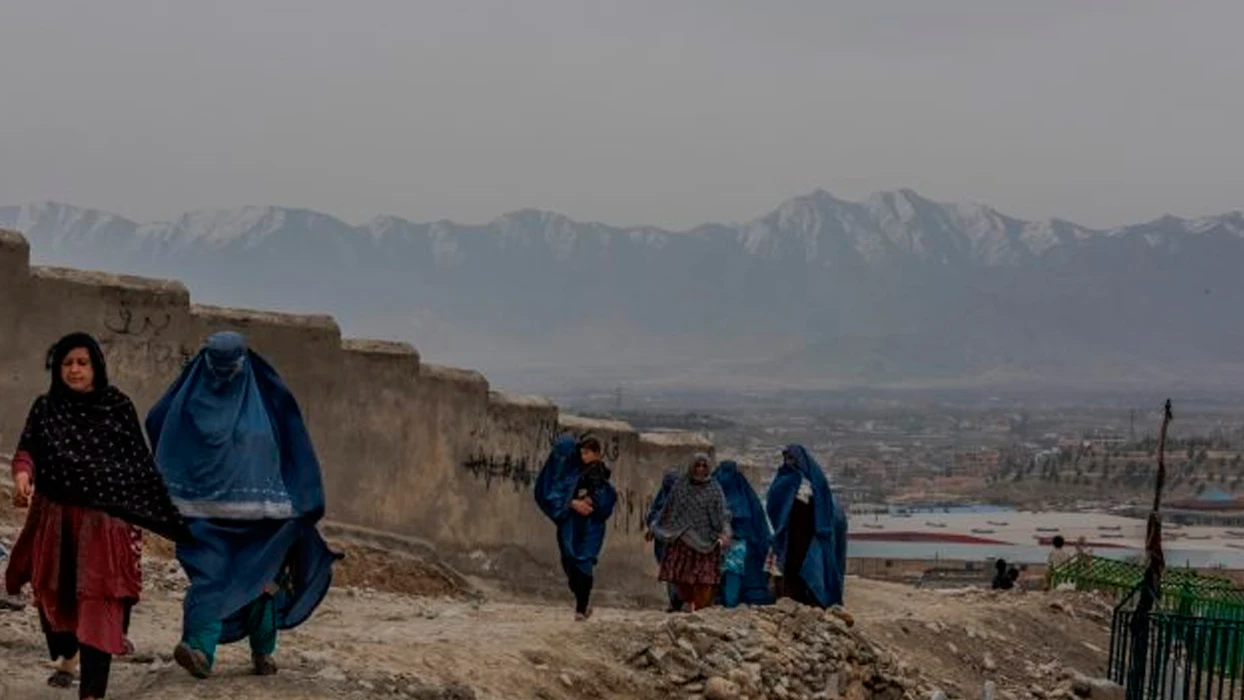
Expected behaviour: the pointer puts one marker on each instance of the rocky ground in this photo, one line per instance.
(401, 625)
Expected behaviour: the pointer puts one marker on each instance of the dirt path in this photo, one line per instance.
(421, 634)
(364, 644)
(359, 644)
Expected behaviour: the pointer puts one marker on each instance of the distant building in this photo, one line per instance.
(1105, 442)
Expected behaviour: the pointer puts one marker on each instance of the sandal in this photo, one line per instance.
(193, 660)
(61, 679)
(264, 665)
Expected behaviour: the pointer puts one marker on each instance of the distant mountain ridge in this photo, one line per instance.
(895, 289)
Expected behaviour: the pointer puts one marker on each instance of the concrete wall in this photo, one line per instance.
(411, 448)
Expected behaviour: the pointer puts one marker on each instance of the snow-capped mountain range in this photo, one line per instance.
(821, 291)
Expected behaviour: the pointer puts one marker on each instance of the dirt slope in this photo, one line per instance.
(400, 626)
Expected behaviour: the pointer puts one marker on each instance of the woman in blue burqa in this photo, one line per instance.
(658, 546)
(573, 490)
(744, 579)
(230, 442)
(809, 531)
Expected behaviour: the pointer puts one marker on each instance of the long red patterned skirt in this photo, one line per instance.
(682, 564)
(83, 566)
(694, 573)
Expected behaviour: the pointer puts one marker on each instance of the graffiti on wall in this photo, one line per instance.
(628, 498)
(547, 432)
(124, 322)
(509, 449)
(137, 339)
(504, 468)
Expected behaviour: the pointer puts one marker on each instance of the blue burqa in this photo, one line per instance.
(658, 505)
(824, 568)
(229, 440)
(579, 538)
(749, 523)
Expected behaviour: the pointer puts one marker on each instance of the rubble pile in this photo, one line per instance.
(1003, 647)
(784, 651)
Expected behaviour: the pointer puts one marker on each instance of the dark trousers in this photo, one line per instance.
(61, 645)
(95, 665)
(802, 529)
(580, 585)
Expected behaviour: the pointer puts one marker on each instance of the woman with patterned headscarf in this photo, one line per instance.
(695, 527)
(230, 441)
(85, 471)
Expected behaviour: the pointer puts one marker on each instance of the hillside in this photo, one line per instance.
(896, 290)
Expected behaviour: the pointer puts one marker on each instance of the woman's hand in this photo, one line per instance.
(23, 489)
(582, 506)
(723, 540)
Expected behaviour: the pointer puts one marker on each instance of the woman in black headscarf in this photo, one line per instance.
(84, 469)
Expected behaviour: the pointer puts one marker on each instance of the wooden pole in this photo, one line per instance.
(1151, 584)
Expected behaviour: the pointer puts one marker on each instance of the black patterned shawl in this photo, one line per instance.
(88, 450)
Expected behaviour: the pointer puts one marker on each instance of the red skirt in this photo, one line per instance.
(82, 565)
(684, 565)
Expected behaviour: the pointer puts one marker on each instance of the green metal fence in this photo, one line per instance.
(1190, 647)
(1183, 590)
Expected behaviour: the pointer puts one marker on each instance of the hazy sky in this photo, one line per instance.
(629, 111)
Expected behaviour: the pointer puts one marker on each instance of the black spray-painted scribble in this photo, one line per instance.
(547, 432)
(506, 468)
(628, 499)
(135, 340)
(125, 323)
